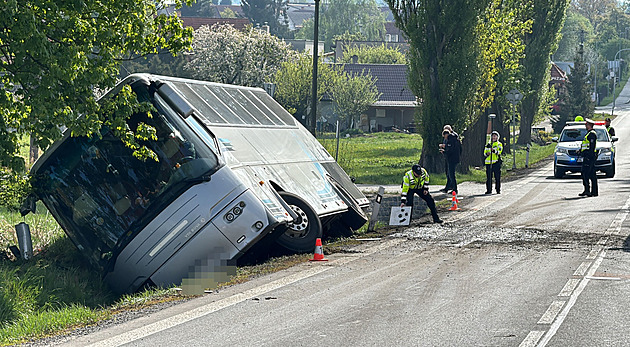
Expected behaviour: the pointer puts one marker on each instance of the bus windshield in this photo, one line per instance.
(102, 195)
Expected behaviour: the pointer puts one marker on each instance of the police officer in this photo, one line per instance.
(416, 181)
(610, 129)
(492, 152)
(589, 155)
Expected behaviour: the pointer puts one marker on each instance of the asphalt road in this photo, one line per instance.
(535, 265)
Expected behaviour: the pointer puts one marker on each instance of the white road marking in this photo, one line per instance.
(532, 338)
(572, 300)
(604, 278)
(598, 253)
(581, 270)
(204, 310)
(568, 288)
(551, 312)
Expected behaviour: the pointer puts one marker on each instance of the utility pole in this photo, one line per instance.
(312, 119)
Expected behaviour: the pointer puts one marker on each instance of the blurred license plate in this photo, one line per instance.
(580, 159)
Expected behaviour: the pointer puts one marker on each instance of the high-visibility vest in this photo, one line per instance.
(585, 142)
(491, 156)
(410, 181)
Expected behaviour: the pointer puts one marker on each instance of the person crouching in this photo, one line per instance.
(416, 181)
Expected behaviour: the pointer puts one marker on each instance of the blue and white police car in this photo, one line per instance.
(566, 158)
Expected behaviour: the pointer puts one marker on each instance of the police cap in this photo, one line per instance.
(417, 169)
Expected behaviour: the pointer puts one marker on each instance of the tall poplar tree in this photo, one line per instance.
(443, 63)
(548, 18)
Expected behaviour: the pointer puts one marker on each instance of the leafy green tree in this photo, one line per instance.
(200, 8)
(548, 18)
(575, 25)
(443, 57)
(272, 12)
(164, 63)
(579, 91)
(228, 13)
(225, 55)
(53, 55)
(353, 94)
(346, 17)
(380, 54)
(293, 85)
(593, 10)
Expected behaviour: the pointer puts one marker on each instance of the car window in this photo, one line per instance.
(570, 135)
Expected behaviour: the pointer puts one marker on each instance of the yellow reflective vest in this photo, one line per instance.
(412, 182)
(493, 154)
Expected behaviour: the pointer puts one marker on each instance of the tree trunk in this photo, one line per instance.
(474, 139)
(528, 111)
(33, 151)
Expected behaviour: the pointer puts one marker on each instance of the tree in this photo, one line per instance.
(228, 13)
(443, 57)
(548, 18)
(55, 54)
(353, 95)
(163, 63)
(343, 17)
(201, 8)
(575, 26)
(593, 10)
(225, 55)
(578, 89)
(373, 54)
(272, 12)
(293, 85)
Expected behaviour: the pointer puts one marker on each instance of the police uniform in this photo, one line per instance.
(492, 152)
(589, 154)
(416, 181)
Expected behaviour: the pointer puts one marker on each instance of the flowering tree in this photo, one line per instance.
(225, 55)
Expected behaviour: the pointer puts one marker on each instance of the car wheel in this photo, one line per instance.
(301, 234)
(557, 173)
(610, 173)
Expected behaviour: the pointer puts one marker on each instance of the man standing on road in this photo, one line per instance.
(493, 152)
(416, 181)
(611, 130)
(589, 155)
(442, 146)
(452, 150)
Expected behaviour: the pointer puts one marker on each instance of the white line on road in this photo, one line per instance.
(581, 270)
(181, 318)
(532, 338)
(551, 313)
(568, 288)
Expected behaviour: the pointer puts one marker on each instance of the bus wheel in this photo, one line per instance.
(301, 234)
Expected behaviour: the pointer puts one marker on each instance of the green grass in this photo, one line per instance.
(379, 158)
(382, 158)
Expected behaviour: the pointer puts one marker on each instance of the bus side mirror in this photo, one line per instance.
(615, 139)
(554, 139)
(29, 205)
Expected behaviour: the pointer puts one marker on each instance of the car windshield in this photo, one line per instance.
(570, 135)
(101, 194)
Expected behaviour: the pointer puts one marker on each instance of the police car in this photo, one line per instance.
(566, 158)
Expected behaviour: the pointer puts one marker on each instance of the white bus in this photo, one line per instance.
(233, 168)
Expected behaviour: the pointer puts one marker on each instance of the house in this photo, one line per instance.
(558, 81)
(395, 107)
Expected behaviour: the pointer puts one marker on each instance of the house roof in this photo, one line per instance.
(298, 13)
(557, 74)
(196, 22)
(391, 82)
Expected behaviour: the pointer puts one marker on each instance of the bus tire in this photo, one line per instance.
(301, 235)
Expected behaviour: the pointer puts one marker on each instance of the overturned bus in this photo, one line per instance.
(234, 168)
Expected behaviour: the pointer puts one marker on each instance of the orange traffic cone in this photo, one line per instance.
(319, 251)
(454, 206)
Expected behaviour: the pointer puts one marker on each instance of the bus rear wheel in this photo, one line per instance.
(301, 234)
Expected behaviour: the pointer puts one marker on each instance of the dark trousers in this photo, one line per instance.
(589, 173)
(493, 169)
(451, 181)
(446, 172)
(427, 198)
